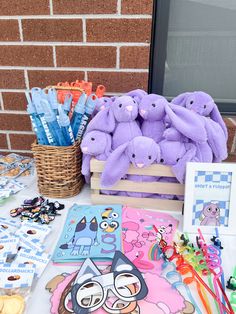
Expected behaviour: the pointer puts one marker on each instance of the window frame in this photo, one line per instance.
(158, 53)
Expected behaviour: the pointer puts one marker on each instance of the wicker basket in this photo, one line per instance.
(58, 169)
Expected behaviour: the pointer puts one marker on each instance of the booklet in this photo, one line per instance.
(90, 231)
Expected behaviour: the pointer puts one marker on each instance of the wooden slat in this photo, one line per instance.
(149, 187)
(152, 170)
(151, 203)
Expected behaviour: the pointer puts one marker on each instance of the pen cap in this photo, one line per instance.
(67, 102)
(80, 106)
(91, 103)
(52, 97)
(48, 113)
(63, 119)
(30, 108)
(36, 94)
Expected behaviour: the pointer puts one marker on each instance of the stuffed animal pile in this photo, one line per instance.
(141, 129)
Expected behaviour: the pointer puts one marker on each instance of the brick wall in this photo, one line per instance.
(47, 41)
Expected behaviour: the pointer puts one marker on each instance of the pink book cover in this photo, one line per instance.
(143, 231)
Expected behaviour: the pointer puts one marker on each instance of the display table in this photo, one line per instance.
(39, 298)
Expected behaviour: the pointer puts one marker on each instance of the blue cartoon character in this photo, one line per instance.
(108, 223)
(84, 238)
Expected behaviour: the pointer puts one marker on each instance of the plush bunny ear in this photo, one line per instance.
(216, 116)
(108, 145)
(103, 121)
(180, 168)
(86, 167)
(216, 140)
(187, 122)
(116, 166)
(180, 100)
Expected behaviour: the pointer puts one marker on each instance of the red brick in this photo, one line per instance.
(12, 79)
(45, 78)
(84, 6)
(119, 81)
(9, 30)
(14, 101)
(231, 158)
(118, 30)
(16, 122)
(12, 151)
(21, 141)
(231, 127)
(98, 57)
(52, 30)
(3, 141)
(136, 6)
(134, 57)
(24, 7)
(26, 56)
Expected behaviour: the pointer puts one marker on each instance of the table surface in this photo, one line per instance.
(38, 302)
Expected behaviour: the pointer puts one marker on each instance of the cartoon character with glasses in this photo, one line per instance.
(116, 291)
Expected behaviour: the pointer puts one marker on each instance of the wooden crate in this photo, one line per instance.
(131, 186)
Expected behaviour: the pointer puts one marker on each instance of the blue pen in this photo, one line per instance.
(36, 99)
(78, 114)
(66, 129)
(89, 108)
(52, 98)
(67, 103)
(36, 122)
(53, 125)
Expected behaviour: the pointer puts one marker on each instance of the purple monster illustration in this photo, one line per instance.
(211, 215)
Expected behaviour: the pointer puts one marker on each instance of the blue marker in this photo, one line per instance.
(36, 98)
(52, 98)
(64, 123)
(36, 122)
(53, 125)
(90, 106)
(67, 103)
(78, 114)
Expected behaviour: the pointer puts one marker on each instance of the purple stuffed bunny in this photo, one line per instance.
(152, 110)
(204, 132)
(103, 102)
(141, 152)
(118, 119)
(203, 104)
(204, 151)
(94, 144)
(176, 154)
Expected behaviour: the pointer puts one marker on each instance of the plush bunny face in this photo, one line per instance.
(171, 152)
(95, 143)
(152, 107)
(125, 109)
(103, 103)
(200, 103)
(143, 151)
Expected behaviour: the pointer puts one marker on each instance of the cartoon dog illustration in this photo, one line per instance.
(109, 224)
(210, 215)
(84, 238)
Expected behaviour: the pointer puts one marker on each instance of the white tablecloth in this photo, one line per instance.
(39, 298)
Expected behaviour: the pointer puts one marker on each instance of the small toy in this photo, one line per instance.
(231, 283)
(38, 209)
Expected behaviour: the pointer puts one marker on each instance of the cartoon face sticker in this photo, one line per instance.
(108, 226)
